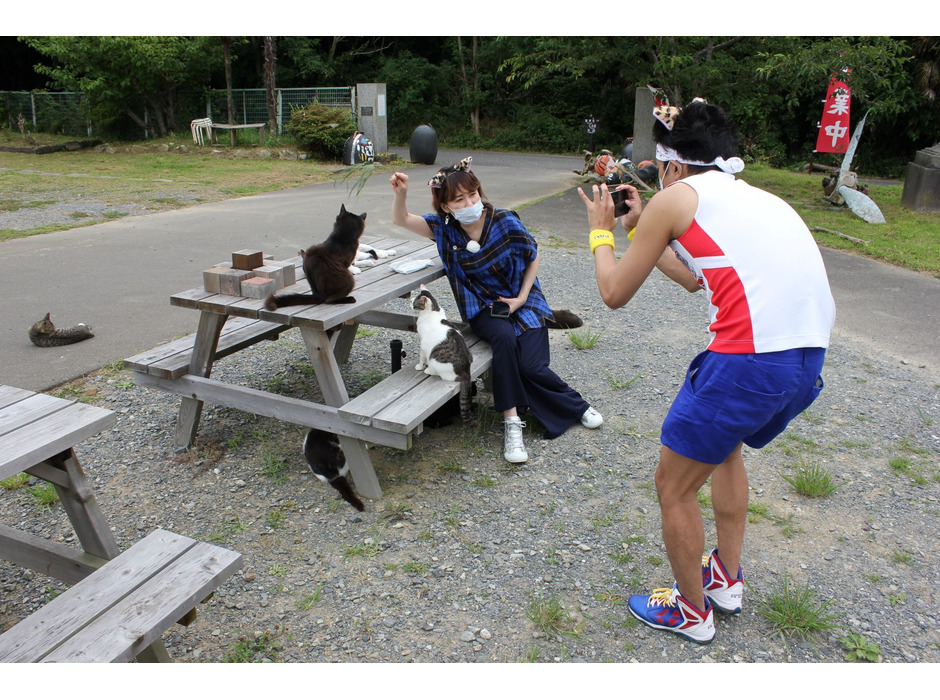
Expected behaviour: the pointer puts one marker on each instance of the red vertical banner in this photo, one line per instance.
(834, 133)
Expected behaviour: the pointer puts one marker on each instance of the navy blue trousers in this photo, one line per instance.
(522, 377)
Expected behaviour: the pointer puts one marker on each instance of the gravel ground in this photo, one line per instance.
(469, 559)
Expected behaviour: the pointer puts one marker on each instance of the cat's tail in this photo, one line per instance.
(466, 401)
(345, 490)
(564, 319)
(275, 302)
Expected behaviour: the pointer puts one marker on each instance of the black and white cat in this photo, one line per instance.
(327, 461)
(443, 350)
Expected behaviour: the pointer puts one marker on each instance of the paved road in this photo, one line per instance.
(118, 276)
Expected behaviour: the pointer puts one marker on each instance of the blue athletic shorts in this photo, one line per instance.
(727, 399)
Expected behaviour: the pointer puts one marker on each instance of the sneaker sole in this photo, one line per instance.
(726, 611)
(676, 632)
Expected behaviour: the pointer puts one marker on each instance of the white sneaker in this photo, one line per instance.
(514, 447)
(592, 419)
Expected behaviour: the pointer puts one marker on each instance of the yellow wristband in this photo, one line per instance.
(601, 237)
(632, 231)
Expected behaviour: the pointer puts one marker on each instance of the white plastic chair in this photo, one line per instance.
(201, 130)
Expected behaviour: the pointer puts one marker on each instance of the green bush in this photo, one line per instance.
(321, 130)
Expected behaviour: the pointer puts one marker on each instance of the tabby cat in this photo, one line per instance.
(326, 265)
(443, 351)
(328, 463)
(44, 333)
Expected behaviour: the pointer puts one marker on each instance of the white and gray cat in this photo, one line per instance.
(443, 350)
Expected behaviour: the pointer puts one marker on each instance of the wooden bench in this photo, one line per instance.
(402, 402)
(233, 129)
(171, 360)
(121, 610)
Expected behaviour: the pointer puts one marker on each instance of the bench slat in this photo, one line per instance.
(172, 359)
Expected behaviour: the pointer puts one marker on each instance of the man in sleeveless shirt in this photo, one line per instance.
(770, 315)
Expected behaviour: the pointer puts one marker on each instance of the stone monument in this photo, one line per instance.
(922, 181)
(644, 148)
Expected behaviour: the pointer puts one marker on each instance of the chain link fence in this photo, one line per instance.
(66, 112)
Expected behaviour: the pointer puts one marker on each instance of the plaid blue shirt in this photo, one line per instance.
(496, 270)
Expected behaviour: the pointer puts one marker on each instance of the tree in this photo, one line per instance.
(270, 63)
(137, 76)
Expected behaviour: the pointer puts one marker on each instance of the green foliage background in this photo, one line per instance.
(533, 93)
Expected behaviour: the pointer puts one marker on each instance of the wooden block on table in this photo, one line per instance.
(271, 272)
(210, 278)
(247, 259)
(290, 272)
(258, 287)
(231, 282)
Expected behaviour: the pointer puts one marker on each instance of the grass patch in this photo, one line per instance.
(368, 549)
(794, 611)
(813, 481)
(909, 239)
(44, 494)
(17, 481)
(308, 601)
(584, 339)
(550, 616)
(263, 647)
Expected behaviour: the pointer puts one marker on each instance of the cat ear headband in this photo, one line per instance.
(442, 174)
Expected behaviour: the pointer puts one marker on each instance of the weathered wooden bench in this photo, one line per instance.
(233, 129)
(172, 360)
(122, 610)
(403, 401)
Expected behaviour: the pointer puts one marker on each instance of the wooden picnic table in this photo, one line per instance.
(119, 603)
(38, 434)
(389, 413)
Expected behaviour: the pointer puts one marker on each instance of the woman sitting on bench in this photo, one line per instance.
(491, 262)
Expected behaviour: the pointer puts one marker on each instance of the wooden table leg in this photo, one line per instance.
(323, 358)
(204, 347)
(79, 502)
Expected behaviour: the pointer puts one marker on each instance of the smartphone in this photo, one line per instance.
(499, 309)
(621, 205)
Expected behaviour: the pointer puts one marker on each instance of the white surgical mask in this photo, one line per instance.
(469, 215)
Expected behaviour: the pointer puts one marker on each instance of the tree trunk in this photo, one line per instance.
(270, 61)
(227, 57)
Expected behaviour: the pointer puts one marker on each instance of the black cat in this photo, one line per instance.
(326, 265)
(327, 461)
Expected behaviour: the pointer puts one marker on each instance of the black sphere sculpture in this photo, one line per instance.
(423, 145)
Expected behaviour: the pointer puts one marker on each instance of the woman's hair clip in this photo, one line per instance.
(442, 174)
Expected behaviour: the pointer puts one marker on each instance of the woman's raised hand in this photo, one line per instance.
(399, 182)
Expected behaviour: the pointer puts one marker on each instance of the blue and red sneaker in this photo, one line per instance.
(724, 592)
(666, 609)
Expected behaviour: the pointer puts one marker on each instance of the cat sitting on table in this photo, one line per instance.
(329, 266)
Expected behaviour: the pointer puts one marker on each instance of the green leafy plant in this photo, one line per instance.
(45, 494)
(858, 648)
(321, 130)
(264, 646)
(794, 610)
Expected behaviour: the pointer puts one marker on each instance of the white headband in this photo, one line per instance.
(731, 165)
